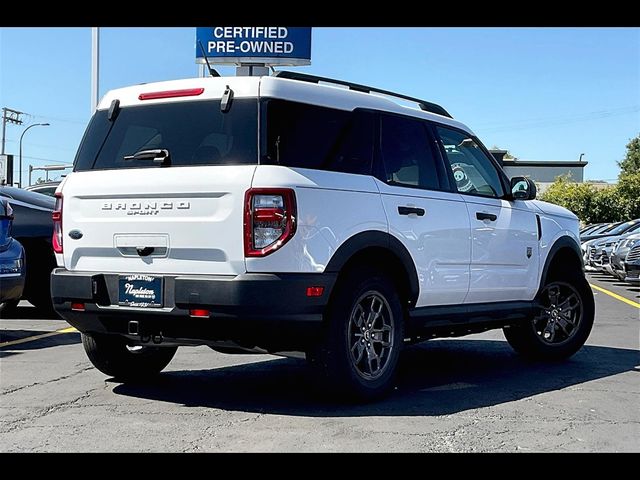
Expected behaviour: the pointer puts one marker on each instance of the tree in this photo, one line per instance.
(629, 190)
(577, 197)
(631, 162)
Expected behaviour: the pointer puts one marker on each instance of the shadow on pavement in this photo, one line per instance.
(605, 278)
(435, 378)
(29, 312)
(36, 344)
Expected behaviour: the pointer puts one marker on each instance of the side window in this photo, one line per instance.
(473, 171)
(354, 149)
(407, 153)
(308, 136)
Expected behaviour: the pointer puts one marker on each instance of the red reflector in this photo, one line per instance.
(315, 291)
(77, 306)
(199, 312)
(187, 92)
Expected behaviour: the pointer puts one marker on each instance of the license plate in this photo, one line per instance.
(140, 291)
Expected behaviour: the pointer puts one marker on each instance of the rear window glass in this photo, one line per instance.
(194, 133)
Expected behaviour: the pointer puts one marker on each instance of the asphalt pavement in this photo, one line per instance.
(470, 394)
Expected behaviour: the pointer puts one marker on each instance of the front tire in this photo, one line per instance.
(112, 356)
(562, 323)
(358, 355)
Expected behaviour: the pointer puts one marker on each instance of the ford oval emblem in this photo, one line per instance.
(75, 234)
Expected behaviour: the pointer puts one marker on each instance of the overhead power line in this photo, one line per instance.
(557, 120)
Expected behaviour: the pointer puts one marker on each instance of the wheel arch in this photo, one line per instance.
(564, 253)
(378, 246)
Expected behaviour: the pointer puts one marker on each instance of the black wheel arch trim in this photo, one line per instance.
(564, 241)
(372, 238)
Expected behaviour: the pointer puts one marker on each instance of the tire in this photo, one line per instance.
(556, 333)
(40, 261)
(111, 355)
(8, 308)
(369, 372)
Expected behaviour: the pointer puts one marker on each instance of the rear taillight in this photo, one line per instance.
(269, 220)
(56, 240)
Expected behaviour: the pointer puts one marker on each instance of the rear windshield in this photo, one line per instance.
(194, 133)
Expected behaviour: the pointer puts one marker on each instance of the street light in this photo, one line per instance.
(20, 161)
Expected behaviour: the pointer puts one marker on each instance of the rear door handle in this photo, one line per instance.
(486, 216)
(409, 210)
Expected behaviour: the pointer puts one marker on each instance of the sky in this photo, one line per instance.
(541, 93)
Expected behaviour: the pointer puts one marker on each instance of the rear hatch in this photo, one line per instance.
(158, 187)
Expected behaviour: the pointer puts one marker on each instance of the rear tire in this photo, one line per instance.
(8, 308)
(562, 324)
(40, 262)
(358, 355)
(112, 356)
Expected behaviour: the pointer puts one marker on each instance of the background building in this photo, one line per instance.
(543, 172)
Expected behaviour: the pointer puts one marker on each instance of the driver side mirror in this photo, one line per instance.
(523, 188)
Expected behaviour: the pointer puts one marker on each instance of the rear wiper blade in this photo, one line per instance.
(158, 155)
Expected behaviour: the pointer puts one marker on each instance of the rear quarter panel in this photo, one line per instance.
(332, 207)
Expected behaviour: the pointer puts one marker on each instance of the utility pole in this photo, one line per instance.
(9, 116)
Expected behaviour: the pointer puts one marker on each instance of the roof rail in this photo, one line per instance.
(303, 77)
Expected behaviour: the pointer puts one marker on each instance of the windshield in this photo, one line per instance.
(194, 133)
(622, 228)
(605, 228)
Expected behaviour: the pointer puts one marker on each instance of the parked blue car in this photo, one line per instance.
(12, 268)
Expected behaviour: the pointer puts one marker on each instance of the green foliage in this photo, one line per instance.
(576, 197)
(606, 206)
(629, 189)
(631, 162)
(611, 204)
(591, 205)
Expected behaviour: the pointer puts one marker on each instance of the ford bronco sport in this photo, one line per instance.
(294, 213)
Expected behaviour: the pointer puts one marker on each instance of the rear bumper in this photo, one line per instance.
(11, 287)
(11, 282)
(271, 311)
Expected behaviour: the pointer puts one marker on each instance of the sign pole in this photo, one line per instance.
(95, 64)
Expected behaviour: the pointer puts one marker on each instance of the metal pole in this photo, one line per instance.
(4, 127)
(13, 118)
(30, 170)
(20, 149)
(95, 64)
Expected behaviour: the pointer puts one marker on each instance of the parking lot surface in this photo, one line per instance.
(470, 394)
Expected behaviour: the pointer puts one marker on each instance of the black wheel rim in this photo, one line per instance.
(560, 313)
(370, 334)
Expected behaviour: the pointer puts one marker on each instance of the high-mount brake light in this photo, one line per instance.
(187, 92)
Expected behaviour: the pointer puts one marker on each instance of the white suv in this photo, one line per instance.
(293, 213)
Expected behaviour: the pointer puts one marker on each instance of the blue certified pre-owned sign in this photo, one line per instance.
(268, 45)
